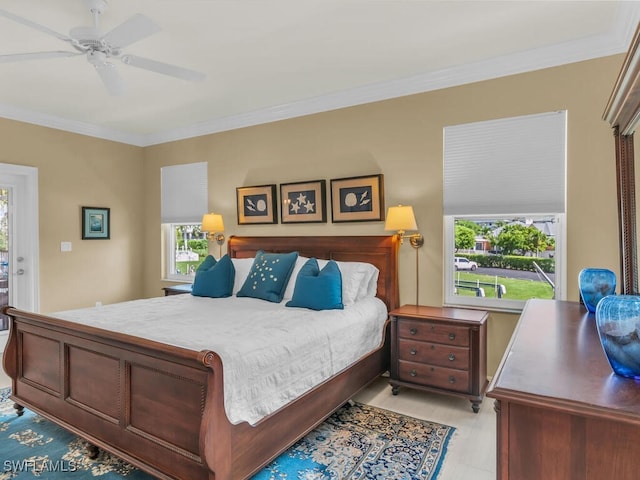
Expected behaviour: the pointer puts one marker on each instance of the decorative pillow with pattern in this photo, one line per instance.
(269, 276)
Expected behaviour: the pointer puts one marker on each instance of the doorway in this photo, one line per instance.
(18, 241)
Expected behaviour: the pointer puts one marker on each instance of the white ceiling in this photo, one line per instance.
(268, 60)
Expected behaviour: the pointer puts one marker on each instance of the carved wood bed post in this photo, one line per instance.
(625, 178)
(623, 114)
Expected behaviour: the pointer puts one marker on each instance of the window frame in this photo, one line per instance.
(498, 304)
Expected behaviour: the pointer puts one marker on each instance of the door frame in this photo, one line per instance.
(24, 226)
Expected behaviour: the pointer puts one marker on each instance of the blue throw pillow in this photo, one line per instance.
(207, 263)
(269, 276)
(318, 289)
(215, 281)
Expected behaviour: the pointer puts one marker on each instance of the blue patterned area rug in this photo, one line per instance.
(357, 442)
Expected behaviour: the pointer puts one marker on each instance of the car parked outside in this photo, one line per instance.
(462, 263)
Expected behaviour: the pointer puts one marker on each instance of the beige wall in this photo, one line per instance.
(401, 138)
(75, 171)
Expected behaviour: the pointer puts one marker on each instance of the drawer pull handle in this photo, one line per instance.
(452, 379)
(452, 357)
(413, 351)
(413, 331)
(452, 336)
(413, 373)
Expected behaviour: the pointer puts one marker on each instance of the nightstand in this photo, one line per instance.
(440, 350)
(177, 289)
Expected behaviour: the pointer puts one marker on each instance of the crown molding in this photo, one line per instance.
(72, 126)
(613, 42)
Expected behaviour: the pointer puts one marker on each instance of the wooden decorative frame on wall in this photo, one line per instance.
(256, 205)
(303, 202)
(96, 223)
(357, 199)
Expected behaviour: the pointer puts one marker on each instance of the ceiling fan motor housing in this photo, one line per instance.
(89, 39)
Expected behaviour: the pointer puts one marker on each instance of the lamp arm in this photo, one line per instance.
(416, 240)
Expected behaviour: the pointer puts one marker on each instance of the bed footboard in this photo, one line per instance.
(160, 408)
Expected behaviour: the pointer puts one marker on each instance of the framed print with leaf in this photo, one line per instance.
(303, 202)
(96, 223)
(357, 199)
(256, 204)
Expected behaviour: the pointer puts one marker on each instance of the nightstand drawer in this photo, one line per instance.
(434, 353)
(434, 376)
(433, 332)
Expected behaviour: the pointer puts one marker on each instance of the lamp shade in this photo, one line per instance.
(400, 219)
(212, 223)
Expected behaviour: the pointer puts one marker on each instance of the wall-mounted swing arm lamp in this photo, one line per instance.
(401, 219)
(213, 226)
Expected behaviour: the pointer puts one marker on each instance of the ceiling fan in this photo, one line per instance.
(101, 48)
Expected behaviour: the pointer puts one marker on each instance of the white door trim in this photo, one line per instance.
(25, 208)
(27, 230)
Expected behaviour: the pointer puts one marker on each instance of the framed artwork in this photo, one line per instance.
(256, 204)
(357, 199)
(96, 223)
(303, 202)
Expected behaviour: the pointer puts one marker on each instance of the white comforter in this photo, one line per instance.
(271, 353)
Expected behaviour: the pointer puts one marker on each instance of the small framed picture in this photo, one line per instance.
(256, 204)
(96, 223)
(303, 202)
(357, 199)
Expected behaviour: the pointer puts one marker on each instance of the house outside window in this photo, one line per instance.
(504, 211)
(184, 196)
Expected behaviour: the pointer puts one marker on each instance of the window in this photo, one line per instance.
(187, 247)
(504, 206)
(184, 200)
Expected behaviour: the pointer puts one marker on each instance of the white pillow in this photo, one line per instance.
(243, 267)
(372, 287)
(288, 292)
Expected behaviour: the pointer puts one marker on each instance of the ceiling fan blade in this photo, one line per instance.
(34, 25)
(130, 31)
(111, 79)
(18, 57)
(163, 68)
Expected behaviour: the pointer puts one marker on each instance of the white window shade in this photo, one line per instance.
(184, 193)
(507, 166)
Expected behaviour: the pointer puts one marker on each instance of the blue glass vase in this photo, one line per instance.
(618, 323)
(595, 284)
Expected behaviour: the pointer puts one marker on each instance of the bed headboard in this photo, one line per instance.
(381, 251)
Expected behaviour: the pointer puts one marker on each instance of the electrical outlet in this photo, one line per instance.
(65, 246)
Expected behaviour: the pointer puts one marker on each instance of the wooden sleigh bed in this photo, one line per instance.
(161, 407)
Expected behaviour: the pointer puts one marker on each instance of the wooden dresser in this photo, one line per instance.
(562, 413)
(441, 350)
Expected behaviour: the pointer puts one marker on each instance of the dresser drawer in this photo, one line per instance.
(433, 332)
(434, 354)
(434, 376)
